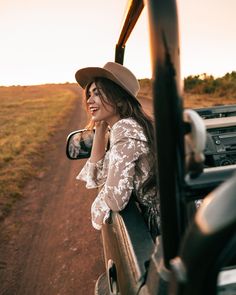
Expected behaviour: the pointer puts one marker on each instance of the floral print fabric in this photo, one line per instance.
(123, 170)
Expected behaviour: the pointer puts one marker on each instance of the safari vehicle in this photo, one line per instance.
(196, 252)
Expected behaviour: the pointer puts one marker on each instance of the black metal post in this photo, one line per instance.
(164, 41)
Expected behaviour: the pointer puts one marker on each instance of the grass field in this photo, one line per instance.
(28, 116)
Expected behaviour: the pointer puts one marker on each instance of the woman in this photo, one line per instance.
(127, 167)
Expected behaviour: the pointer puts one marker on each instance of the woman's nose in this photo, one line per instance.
(90, 99)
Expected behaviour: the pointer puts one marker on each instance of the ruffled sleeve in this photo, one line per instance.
(93, 174)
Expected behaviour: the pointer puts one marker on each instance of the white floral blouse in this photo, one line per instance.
(123, 170)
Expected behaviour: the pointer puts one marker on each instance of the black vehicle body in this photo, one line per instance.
(195, 245)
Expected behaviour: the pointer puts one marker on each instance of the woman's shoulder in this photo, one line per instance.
(127, 128)
(127, 123)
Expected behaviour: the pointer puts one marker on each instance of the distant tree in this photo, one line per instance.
(191, 82)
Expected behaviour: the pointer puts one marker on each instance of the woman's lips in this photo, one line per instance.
(93, 110)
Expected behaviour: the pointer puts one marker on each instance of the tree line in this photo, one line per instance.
(207, 84)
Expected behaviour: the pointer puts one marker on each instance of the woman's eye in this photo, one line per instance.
(96, 93)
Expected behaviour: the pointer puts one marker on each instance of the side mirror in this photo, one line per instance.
(79, 144)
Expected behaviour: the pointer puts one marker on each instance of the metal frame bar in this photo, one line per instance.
(164, 39)
(164, 42)
(133, 13)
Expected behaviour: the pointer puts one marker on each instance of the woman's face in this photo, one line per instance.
(101, 110)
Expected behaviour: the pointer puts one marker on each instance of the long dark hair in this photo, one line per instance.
(127, 107)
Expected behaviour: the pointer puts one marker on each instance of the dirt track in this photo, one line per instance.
(47, 244)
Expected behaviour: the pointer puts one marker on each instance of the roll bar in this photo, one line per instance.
(134, 10)
(167, 102)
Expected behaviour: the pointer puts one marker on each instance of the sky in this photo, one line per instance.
(47, 41)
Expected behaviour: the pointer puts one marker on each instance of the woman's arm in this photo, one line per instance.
(119, 184)
(93, 171)
(99, 142)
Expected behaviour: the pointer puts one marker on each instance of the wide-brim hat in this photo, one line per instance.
(112, 71)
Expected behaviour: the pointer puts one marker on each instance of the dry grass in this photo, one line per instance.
(189, 100)
(145, 88)
(28, 116)
(203, 100)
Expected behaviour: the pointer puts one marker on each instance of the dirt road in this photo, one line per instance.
(47, 244)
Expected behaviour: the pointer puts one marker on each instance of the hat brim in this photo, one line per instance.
(87, 75)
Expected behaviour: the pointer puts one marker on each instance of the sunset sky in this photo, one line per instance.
(46, 41)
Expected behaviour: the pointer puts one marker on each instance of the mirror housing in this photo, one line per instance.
(79, 144)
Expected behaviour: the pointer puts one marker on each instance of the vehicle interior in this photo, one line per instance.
(196, 163)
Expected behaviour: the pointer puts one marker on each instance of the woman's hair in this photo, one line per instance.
(127, 107)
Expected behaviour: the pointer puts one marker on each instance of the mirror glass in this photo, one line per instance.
(79, 144)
